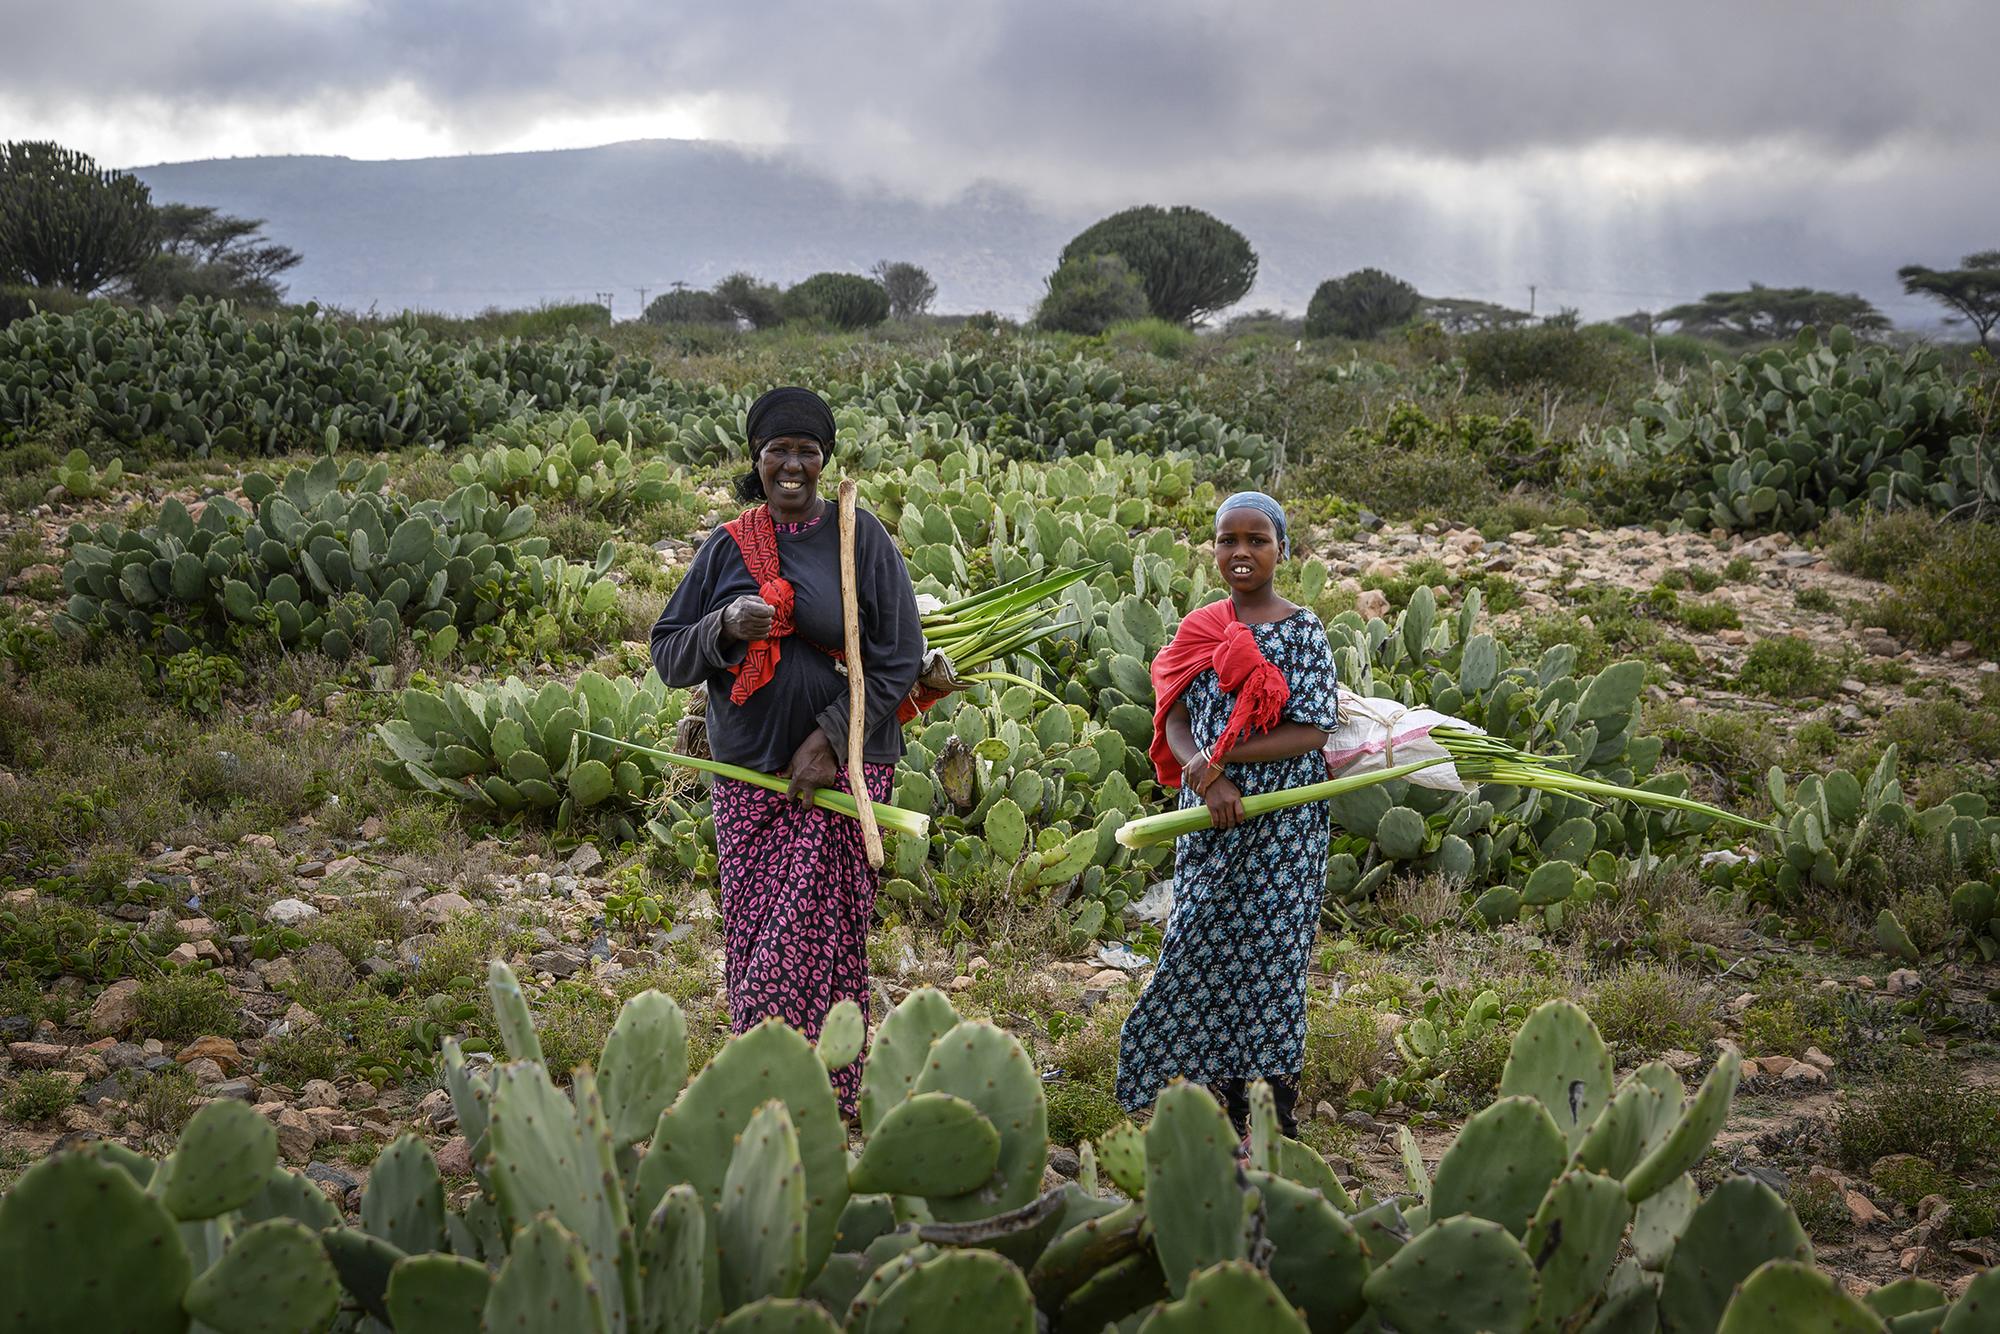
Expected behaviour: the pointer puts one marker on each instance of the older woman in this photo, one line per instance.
(753, 621)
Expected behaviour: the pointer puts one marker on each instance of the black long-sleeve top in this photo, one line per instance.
(807, 691)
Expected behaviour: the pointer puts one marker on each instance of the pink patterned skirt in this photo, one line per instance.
(798, 897)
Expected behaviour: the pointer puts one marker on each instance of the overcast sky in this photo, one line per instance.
(1492, 114)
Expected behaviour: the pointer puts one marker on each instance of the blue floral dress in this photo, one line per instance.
(1228, 1000)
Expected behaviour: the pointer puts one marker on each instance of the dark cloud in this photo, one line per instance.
(1068, 85)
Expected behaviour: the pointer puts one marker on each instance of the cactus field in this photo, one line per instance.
(361, 956)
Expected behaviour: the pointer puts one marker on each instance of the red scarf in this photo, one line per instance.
(756, 537)
(1213, 637)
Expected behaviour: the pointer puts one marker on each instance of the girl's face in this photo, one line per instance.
(789, 467)
(1246, 549)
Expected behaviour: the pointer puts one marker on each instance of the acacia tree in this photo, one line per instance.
(1768, 314)
(64, 222)
(1972, 289)
(1362, 304)
(910, 289)
(1190, 263)
(207, 253)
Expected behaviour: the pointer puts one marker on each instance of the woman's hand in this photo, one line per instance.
(813, 766)
(748, 619)
(1198, 773)
(1225, 803)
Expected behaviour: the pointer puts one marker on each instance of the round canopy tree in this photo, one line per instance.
(1191, 263)
(686, 305)
(1363, 304)
(66, 223)
(843, 300)
(1089, 294)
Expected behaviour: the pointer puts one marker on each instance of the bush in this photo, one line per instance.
(685, 305)
(1951, 593)
(1643, 1008)
(1365, 304)
(1922, 1107)
(180, 1007)
(1555, 352)
(1787, 667)
(1879, 546)
(38, 1095)
(757, 303)
(1079, 1111)
(1090, 294)
(1412, 463)
(1190, 263)
(842, 300)
(1790, 1018)
(1170, 341)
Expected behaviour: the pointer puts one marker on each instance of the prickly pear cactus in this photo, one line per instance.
(902, 1043)
(224, 1157)
(842, 1036)
(547, 1283)
(673, 1255)
(438, 1294)
(1501, 1164)
(365, 1264)
(1193, 1194)
(1692, 1133)
(71, 1206)
(1122, 1150)
(1738, 1227)
(975, 1291)
(1574, 1242)
(403, 1203)
(1559, 1059)
(643, 1066)
(273, 1279)
(986, 1066)
(930, 1144)
(1492, 1281)
(778, 1315)
(1786, 1297)
(761, 1226)
(1640, 1116)
(1234, 1296)
(1319, 1263)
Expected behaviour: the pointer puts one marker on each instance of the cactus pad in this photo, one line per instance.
(1786, 1297)
(1460, 1276)
(273, 1279)
(364, 1264)
(1082, 1249)
(438, 1294)
(1122, 1151)
(842, 1036)
(761, 1225)
(643, 1066)
(223, 1159)
(1263, 1127)
(778, 1315)
(902, 1043)
(1501, 1164)
(1631, 1303)
(894, 1263)
(1193, 1190)
(967, 1292)
(286, 1194)
(1906, 1296)
(1559, 1059)
(865, 1218)
(471, 1095)
(1234, 1296)
(510, 1011)
(546, 1284)
(1738, 1227)
(672, 1256)
(929, 1144)
(545, 1160)
(1573, 1241)
(1320, 1263)
(403, 1203)
(1400, 833)
(1636, 1122)
(1692, 1133)
(698, 1133)
(1977, 1307)
(1120, 1291)
(986, 1066)
(1657, 1222)
(72, 1206)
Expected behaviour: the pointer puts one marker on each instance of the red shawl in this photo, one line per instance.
(1213, 637)
(756, 537)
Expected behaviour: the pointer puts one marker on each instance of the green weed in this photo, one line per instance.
(37, 1095)
(1922, 1107)
(180, 1007)
(1786, 667)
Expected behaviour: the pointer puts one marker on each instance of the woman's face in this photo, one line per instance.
(1246, 549)
(789, 467)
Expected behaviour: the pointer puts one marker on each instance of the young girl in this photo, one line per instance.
(1244, 703)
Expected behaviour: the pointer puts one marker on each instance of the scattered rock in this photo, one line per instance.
(123, 1056)
(442, 907)
(1904, 979)
(242, 1090)
(454, 1157)
(1861, 1209)
(435, 1107)
(1064, 1161)
(1108, 979)
(222, 1051)
(559, 961)
(1775, 1065)
(585, 859)
(1959, 650)
(1881, 646)
(111, 1086)
(1371, 604)
(116, 1008)
(1819, 1058)
(1361, 1120)
(296, 1136)
(290, 912)
(37, 1055)
(1683, 1062)
(319, 1093)
(349, 865)
(1804, 1072)
(323, 968)
(337, 1183)
(205, 1071)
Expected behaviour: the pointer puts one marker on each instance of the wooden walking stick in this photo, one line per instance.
(857, 700)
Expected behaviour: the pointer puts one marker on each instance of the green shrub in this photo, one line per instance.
(1787, 667)
(839, 300)
(1364, 304)
(1880, 546)
(1190, 263)
(311, 1053)
(1090, 294)
(1951, 592)
(1079, 1111)
(1172, 342)
(162, 1104)
(1791, 1017)
(1739, 570)
(1708, 617)
(1906, 1179)
(1342, 1047)
(1821, 1208)
(573, 1019)
(1555, 353)
(37, 1095)
(1814, 598)
(1703, 580)
(1645, 1007)
(1926, 1108)
(686, 305)
(180, 1007)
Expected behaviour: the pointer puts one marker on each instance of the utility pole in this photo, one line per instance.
(1531, 299)
(642, 301)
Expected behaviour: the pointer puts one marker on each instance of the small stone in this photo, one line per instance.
(1064, 1161)
(977, 964)
(297, 1018)
(1775, 1065)
(319, 1093)
(1681, 1062)
(1109, 979)
(116, 1008)
(183, 954)
(1372, 604)
(296, 1136)
(1853, 687)
(110, 1087)
(242, 1090)
(1735, 637)
(585, 859)
(442, 907)
(1905, 979)
(435, 1107)
(337, 1183)
(371, 827)
(1959, 650)
(959, 983)
(1804, 1072)
(1742, 1002)
(1881, 646)
(1326, 1111)
(1930, 1207)
(278, 973)
(81, 1121)
(1819, 1058)
(37, 1055)
(205, 1071)
(1861, 1209)
(220, 1050)
(124, 1056)
(290, 912)
(560, 961)
(324, 969)
(454, 1157)
(1360, 1120)
(344, 866)
(1865, 983)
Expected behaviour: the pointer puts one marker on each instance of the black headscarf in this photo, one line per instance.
(788, 410)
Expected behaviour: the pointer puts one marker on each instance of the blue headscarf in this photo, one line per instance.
(1264, 505)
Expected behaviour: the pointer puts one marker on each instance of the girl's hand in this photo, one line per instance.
(813, 766)
(747, 619)
(1225, 803)
(1198, 773)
